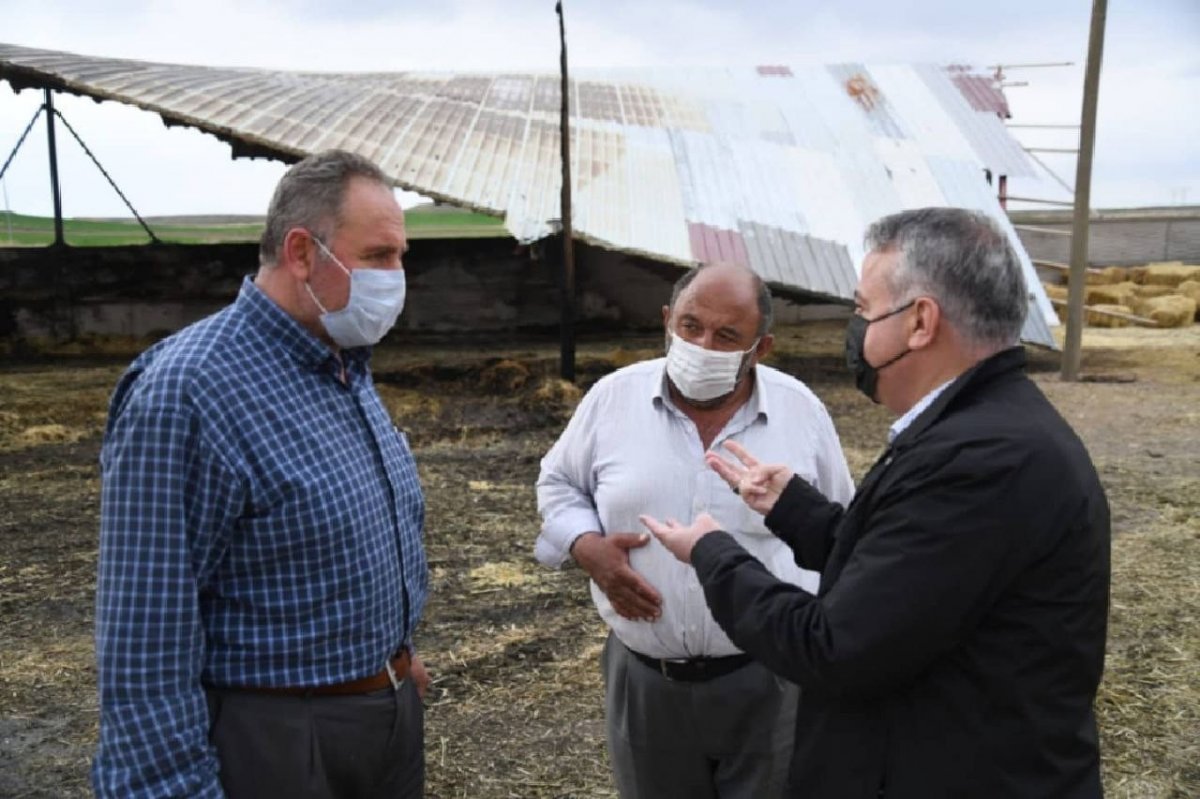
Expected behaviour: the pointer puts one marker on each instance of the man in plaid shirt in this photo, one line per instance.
(261, 567)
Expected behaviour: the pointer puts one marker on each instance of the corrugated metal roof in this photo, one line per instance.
(777, 167)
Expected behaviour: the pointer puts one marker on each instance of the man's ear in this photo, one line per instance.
(666, 311)
(765, 345)
(927, 320)
(298, 253)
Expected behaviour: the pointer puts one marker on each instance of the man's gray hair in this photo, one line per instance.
(309, 195)
(964, 261)
(766, 313)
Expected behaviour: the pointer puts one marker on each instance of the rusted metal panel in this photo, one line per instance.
(776, 167)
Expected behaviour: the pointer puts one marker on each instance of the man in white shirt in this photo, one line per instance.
(688, 714)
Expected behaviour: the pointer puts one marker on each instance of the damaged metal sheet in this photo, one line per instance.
(777, 167)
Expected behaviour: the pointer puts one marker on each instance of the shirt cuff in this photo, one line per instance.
(553, 547)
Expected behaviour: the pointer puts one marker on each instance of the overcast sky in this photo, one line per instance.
(1147, 144)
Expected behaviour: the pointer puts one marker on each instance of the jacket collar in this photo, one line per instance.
(1001, 364)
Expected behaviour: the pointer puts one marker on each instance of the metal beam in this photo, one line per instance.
(1063, 203)
(1033, 229)
(55, 194)
(1128, 317)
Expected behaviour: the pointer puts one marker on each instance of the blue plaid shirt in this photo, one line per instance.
(260, 525)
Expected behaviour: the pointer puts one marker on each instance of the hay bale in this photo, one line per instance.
(505, 375)
(1190, 288)
(1117, 294)
(1166, 273)
(1093, 319)
(408, 406)
(1094, 277)
(1148, 291)
(1173, 310)
(1116, 274)
(1055, 291)
(557, 395)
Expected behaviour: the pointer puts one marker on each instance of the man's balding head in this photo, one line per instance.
(740, 284)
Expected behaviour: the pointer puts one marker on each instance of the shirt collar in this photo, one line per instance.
(901, 424)
(289, 336)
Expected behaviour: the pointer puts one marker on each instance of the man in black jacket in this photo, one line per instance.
(956, 642)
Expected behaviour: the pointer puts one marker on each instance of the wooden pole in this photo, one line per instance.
(1128, 317)
(567, 349)
(1083, 194)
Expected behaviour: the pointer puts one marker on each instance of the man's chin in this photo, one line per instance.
(708, 404)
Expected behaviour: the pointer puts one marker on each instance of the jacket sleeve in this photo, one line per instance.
(805, 520)
(943, 539)
(165, 504)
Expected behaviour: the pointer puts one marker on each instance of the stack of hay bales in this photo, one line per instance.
(1165, 293)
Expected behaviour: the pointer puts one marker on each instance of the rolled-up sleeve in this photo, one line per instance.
(566, 486)
(166, 503)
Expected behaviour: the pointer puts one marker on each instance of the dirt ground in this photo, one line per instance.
(515, 709)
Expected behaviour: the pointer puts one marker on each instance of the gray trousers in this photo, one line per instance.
(344, 747)
(726, 738)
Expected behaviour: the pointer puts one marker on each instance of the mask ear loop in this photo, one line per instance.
(328, 253)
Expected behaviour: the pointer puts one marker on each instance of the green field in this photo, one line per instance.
(21, 230)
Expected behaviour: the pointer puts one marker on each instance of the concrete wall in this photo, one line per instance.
(468, 285)
(455, 286)
(1116, 238)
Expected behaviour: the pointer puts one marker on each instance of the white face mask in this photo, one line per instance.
(376, 300)
(702, 374)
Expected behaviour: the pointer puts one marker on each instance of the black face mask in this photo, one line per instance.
(866, 376)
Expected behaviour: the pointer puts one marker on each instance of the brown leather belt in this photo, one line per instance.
(390, 676)
(695, 669)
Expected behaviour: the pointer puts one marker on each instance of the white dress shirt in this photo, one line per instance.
(901, 424)
(628, 450)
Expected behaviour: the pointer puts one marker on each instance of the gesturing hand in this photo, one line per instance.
(678, 539)
(758, 484)
(606, 560)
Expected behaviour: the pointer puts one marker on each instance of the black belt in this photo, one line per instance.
(695, 669)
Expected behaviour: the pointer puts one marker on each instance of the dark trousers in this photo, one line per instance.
(337, 747)
(726, 738)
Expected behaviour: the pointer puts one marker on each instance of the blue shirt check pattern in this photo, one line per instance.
(261, 525)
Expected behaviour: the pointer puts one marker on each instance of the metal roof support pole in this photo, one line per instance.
(20, 141)
(59, 241)
(153, 238)
(1083, 195)
(567, 353)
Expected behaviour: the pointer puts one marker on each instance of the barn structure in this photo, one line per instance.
(775, 167)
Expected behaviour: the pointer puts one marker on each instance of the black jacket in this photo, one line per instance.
(957, 640)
